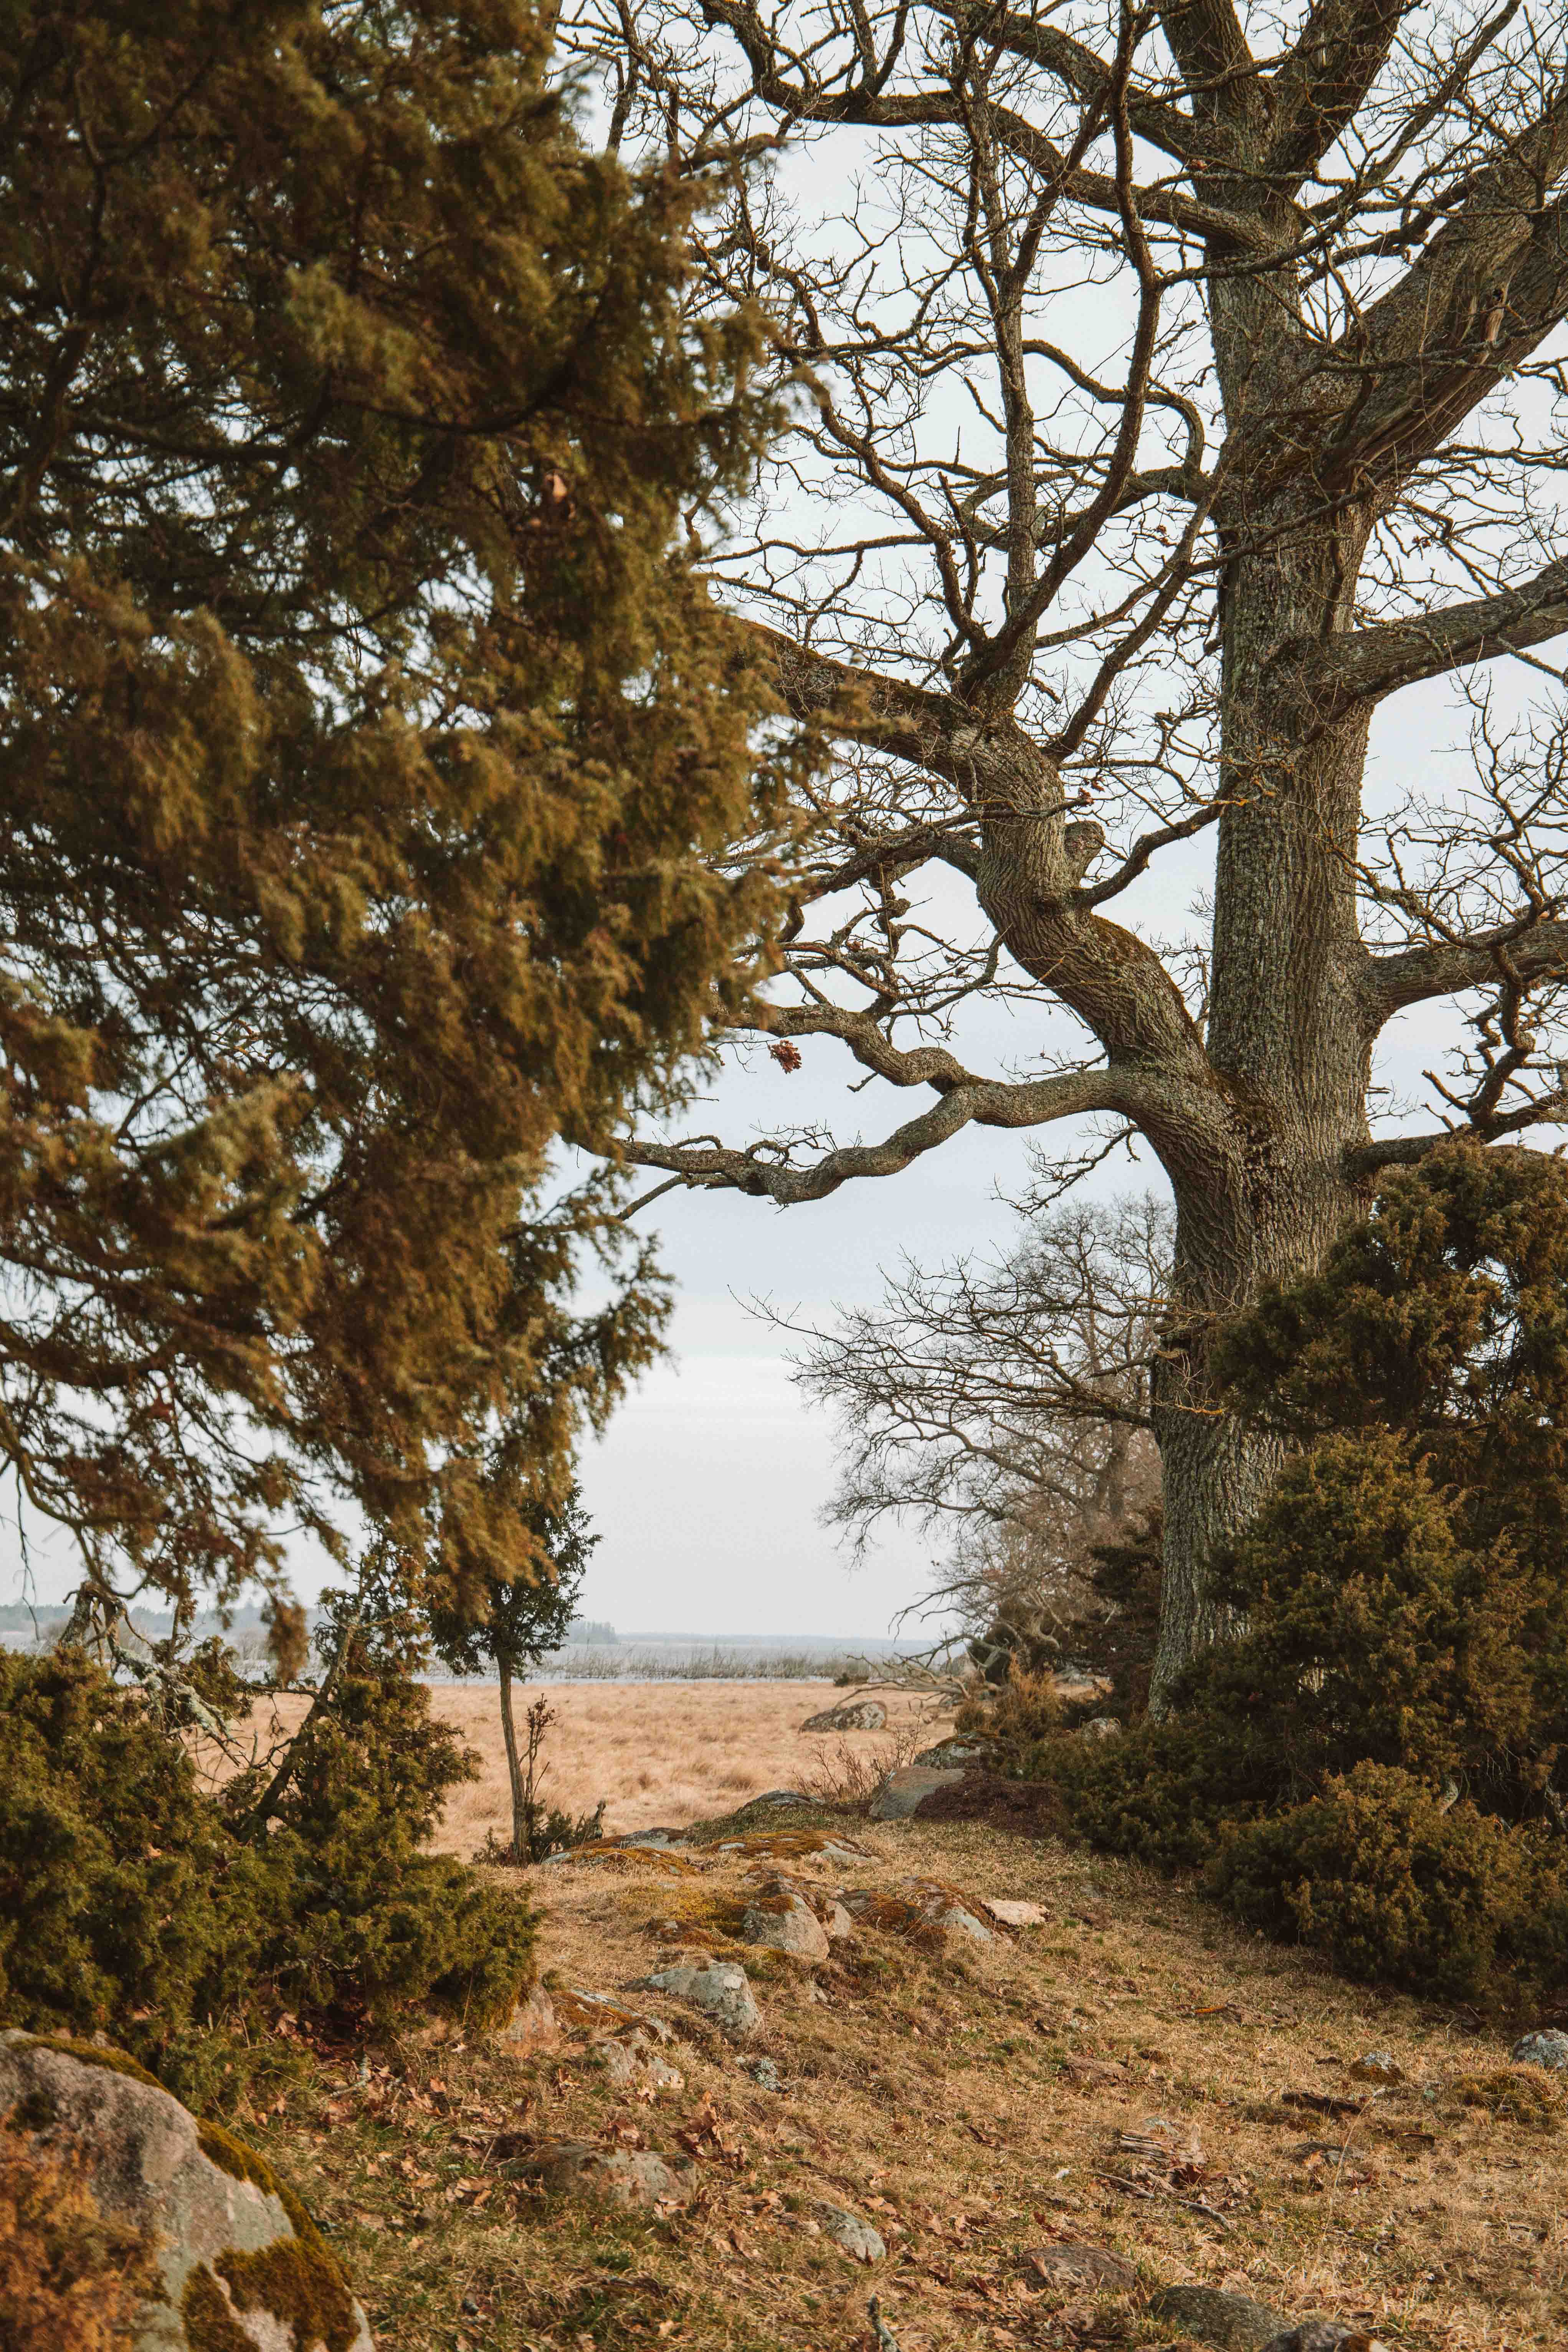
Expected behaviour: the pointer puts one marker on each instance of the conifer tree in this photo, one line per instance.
(523, 1620)
(363, 749)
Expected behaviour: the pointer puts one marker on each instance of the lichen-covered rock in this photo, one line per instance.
(1547, 2048)
(850, 1715)
(722, 1991)
(1069, 2264)
(858, 2238)
(964, 1748)
(1230, 2323)
(792, 1845)
(1100, 1726)
(242, 2267)
(780, 1918)
(613, 2175)
(631, 2058)
(1324, 2336)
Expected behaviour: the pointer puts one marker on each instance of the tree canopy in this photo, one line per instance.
(367, 748)
(1186, 381)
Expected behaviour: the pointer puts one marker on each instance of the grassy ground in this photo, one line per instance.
(1129, 2076)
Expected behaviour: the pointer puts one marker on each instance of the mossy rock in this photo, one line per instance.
(241, 2266)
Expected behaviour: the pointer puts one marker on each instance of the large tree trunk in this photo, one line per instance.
(1287, 1039)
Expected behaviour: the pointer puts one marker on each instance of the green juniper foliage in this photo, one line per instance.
(128, 1900)
(523, 1620)
(1380, 1761)
(368, 743)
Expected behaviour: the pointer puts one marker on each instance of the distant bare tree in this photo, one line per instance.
(1007, 1406)
(1176, 383)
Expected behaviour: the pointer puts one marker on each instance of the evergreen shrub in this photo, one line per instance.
(1375, 1763)
(132, 1900)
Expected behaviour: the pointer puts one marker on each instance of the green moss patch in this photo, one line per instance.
(92, 2053)
(298, 2281)
(242, 2163)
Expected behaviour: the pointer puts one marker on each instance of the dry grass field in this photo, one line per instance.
(1135, 2075)
(662, 1752)
(657, 1752)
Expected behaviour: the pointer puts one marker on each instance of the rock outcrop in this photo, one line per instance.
(240, 2261)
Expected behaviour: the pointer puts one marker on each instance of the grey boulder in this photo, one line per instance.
(613, 2175)
(722, 1991)
(902, 1791)
(782, 1920)
(1548, 2048)
(1081, 2266)
(1230, 2323)
(240, 2259)
(858, 2238)
(850, 1715)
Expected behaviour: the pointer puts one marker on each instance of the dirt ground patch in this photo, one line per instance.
(1136, 2076)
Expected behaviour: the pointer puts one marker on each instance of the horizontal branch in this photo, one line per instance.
(1365, 665)
(977, 1103)
(1526, 954)
(1409, 1150)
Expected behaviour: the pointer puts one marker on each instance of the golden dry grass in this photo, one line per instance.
(657, 1752)
(969, 2101)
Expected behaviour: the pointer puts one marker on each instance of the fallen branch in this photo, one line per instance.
(1162, 2197)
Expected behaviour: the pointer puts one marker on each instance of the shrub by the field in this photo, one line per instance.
(131, 1901)
(1373, 1764)
(1025, 1711)
(1391, 1881)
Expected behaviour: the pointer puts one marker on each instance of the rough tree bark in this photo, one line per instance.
(1317, 466)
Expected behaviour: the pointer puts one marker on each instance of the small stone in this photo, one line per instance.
(902, 1791)
(1548, 2047)
(783, 1921)
(765, 2073)
(1013, 1914)
(1324, 2336)
(946, 1907)
(1230, 2323)
(850, 1715)
(858, 2238)
(470, 2307)
(838, 1922)
(1075, 2265)
(722, 1991)
(619, 2176)
(1377, 2067)
(627, 2058)
(778, 1797)
(1100, 1726)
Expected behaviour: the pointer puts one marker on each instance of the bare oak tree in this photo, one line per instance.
(1005, 1407)
(1175, 385)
